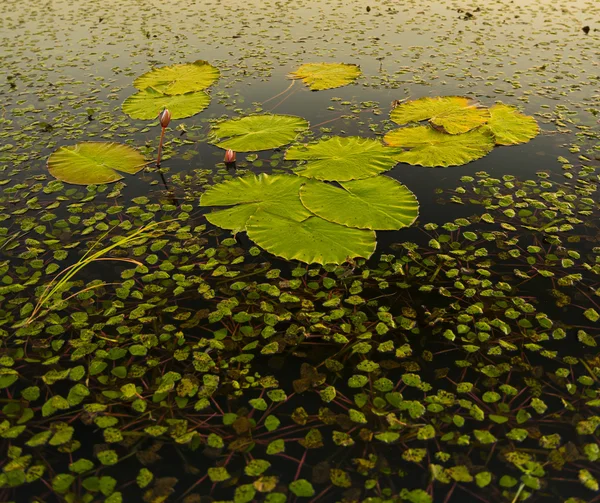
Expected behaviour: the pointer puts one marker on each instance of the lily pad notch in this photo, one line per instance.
(299, 218)
(257, 132)
(90, 163)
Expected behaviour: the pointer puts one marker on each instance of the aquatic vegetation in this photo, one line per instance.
(458, 364)
(431, 148)
(510, 127)
(310, 240)
(276, 194)
(148, 103)
(376, 203)
(180, 88)
(257, 132)
(229, 156)
(343, 158)
(467, 132)
(164, 120)
(179, 79)
(321, 76)
(94, 162)
(454, 114)
(299, 219)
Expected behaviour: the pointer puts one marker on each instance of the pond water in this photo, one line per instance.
(458, 364)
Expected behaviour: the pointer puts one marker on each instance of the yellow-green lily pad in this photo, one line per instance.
(454, 114)
(321, 76)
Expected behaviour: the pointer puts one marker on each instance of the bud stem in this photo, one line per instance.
(162, 137)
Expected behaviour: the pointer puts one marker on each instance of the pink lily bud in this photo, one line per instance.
(230, 156)
(165, 118)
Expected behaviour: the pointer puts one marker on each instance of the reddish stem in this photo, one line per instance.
(160, 144)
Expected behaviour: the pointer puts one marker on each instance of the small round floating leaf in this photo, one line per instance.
(257, 132)
(377, 203)
(320, 76)
(343, 158)
(510, 126)
(455, 114)
(302, 488)
(147, 104)
(94, 163)
(432, 148)
(312, 240)
(179, 79)
(277, 194)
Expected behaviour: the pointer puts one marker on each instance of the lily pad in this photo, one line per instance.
(431, 148)
(94, 162)
(147, 104)
(312, 240)
(320, 76)
(455, 114)
(377, 203)
(343, 158)
(276, 194)
(179, 79)
(511, 127)
(257, 132)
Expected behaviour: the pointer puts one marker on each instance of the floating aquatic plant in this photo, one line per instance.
(320, 76)
(180, 88)
(94, 162)
(376, 203)
(454, 114)
(426, 146)
(179, 79)
(510, 126)
(343, 158)
(147, 104)
(277, 213)
(257, 132)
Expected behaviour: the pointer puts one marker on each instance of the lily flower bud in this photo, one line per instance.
(165, 118)
(230, 156)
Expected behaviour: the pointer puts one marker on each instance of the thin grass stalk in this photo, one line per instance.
(73, 269)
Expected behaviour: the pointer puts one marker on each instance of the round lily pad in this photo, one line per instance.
(320, 76)
(257, 132)
(510, 126)
(343, 158)
(455, 114)
(277, 194)
(312, 240)
(94, 162)
(376, 203)
(147, 104)
(179, 79)
(431, 148)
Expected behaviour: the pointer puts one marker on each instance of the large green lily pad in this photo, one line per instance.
(257, 132)
(432, 148)
(455, 114)
(510, 126)
(320, 76)
(94, 162)
(277, 194)
(312, 240)
(179, 79)
(343, 158)
(147, 104)
(376, 203)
